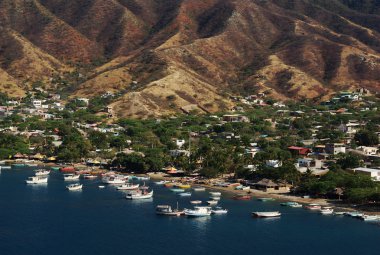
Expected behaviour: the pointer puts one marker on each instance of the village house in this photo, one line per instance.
(299, 151)
(335, 148)
(350, 128)
(372, 172)
(37, 103)
(270, 186)
(178, 153)
(235, 118)
(368, 150)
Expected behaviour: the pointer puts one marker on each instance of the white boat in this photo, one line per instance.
(198, 211)
(354, 214)
(128, 186)
(41, 172)
(140, 195)
(215, 198)
(196, 202)
(266, 214)
(101, 186)
(185, 194)
(71, 177)
(339, 213)
(36, 180)
(161, 182)
(89, 176)
(114, 180)
(295, 205)
(199, 188)
(31, 164)
(168, 211)
(327, 211)
(370, 218)
(76, 186)
(215, 194)
(212, 202)
(219, 210)
(6, 167)
(313, 207)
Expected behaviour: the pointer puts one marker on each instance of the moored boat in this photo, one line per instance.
(313, 207)
(128, 186)
(177, 190)
(116, 180)
(215, 194)
(76, 186)
(36, 180)
(41, 172)
(354, 214)
(242, 197)
(196, 202)
(185, 194)
(266, 214)
(198, 211)
(71, 177)
(288, 203)
(327, 210)
(168, 211)
(101, 186)
(161, 182)
(370, 218)
(219, 210)
(140, 194)
(184, 186)
(89, 176)
(266, 199)
(212, 202)
(199, 189)
(215, 198)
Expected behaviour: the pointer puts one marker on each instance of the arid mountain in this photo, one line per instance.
(167, 54)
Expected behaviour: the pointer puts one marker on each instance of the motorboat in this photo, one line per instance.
(215, 194)
(339, 213)
(242, 197)
(266, 214)
(327, 210)
(168, 211)
(212, 202)
(288, 203)
(36, 180)
(266, 199)
(198, 211)
(71, 177)
(128, 186)
(198, 189)
(354, 214)
(161, 182)
(140, 194)
(196, 202)
(313, 207)
(41, 172)
(73, 187)
(89, 176)
(117, 180)
(215, 198)
(295, 205)
(219, 210)
(370, 218)
(177, 190)
(185, 194)
(101, 186)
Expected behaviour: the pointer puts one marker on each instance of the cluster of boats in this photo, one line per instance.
(197, 211)
(40, 177)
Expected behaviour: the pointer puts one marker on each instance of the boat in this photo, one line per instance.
(41, 172)
(215, 194)
(54, 168)
(185, 194)
(175, 190)
(6, 167)
(242, 197)
(169, 185)
(198, 211)
(76, 186)
(241, 187)
(36, 180)
(196, 202)
(212, 202)
(18, 164)
(266, 214)
(161, 182)
(89, 176)
(313, 207)
(266, 199)
(141, 178)
(184, 186)
(101, 186)
(219, 210)
(31, 164)
(128, 186)
(141, 194)
(354, 214)
(295, 205)
(168, 211)
(327, 210)
(370, 218)
(215, 198)
(339, 213)
(71, 177)
(288, 203)
(199, 189)
(113, 180)
(67, 169)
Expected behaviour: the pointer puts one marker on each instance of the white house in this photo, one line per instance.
(37, 103)
(368, 150)
(335, 148)
(373, 173)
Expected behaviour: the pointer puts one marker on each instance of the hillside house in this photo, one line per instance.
(335, 148)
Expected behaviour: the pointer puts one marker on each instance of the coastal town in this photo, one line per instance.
(304, 152)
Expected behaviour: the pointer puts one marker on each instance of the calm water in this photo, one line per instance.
(47, 219)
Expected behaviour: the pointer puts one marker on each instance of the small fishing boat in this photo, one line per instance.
(242, 197)
(242, 187)
(185, 194)
(219, 210)
(354, 214)
(141, 178)
(31, 164)
(36, 180)
(339, 213)
(198, 211)
(71, 177)
(175, 190)
(73, 187)
(89, 176)
(296, 205)
(41, 172)
(184, 186)
(215, 198)
(141, 194)
(54, 168)
(115, 180)
(287, 203)
(313, 207)
(212, 202)
(266, 214)
(6, 167)
(370, 218)
(327, 210)
(266, 199)
(128, 186)
(196, 202)
(215, 194)
(101, 186)
(168, 211)
(161, 182)
(199, 189)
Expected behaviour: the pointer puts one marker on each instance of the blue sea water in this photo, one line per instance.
(48, 219)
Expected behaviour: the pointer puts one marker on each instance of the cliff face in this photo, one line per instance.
(186, 52)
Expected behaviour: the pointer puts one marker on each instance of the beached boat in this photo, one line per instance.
(71, 177)
(168, 211)
(242, 197)
(41, 172)
(219, 210)
(31, 164)
(184, 186)
(212, 202)
(215, 194)
(198, 211)
(339, 213)
(287, 203)
(266, 199)
(37, 180)
(128, 186)
(354, 214)
(370, 218)
(141, 194)
(327, 211)
(313, 207)
(196, 202)
(266, 214)
(241, 187)
(175, 190)
(73, 187)
(199, 189)
(185, 194)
